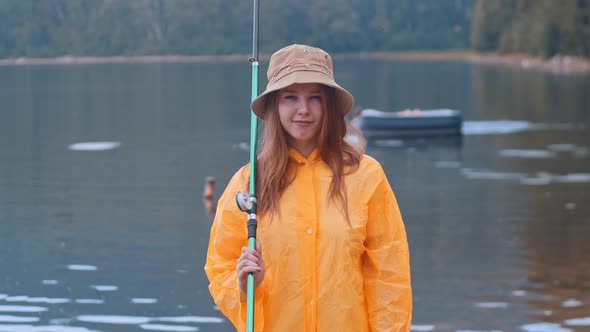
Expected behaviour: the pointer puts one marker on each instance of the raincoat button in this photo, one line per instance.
(309, 231)
(307, 65)
(305, 51)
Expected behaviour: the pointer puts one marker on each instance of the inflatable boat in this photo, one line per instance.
(409, 123)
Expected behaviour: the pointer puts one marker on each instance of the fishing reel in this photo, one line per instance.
(245, 201)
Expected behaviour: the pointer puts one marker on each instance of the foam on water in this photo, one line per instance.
(36, 299)
(94, 146)
(144, 301)
(540, 178)
(550, 152)
(388, 143)
(21, 308)
(16, 298)
(494, 127)
(492, 305)
(508, 127)
(90, 301)
(562, 147)
(60, 321)
(81, 267)
(580, 152)
(112, 319)
(104, 288)
(45, 328)
(571, 303)
(478, 331)
(585, 321)
(519, 153)
(574, 178)
(482, 174)
(161, 327)
(17, 319)
(576, 151)
(49, 282)
(544, 327)
(191, 319)
(570, 206)
(422, 328)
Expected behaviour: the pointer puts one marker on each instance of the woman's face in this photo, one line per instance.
(300, 113)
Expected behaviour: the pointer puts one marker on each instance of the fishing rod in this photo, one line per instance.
(247, 202)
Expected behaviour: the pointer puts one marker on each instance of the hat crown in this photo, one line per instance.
(298, 58)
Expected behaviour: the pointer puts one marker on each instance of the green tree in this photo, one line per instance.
(538, 27)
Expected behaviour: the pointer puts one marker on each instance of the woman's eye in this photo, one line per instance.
(316, 98)
(289, 97)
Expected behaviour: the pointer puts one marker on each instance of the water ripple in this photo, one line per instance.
(578, 321)
(47, 328)
(17, 319)
(161, 327)
(544, 327)
(21, 308)
(94, 146)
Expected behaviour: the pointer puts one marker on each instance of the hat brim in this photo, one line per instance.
(344, 100)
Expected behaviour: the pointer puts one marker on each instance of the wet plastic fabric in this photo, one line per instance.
(321, 274)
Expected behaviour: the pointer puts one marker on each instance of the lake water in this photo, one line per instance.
(102, 168)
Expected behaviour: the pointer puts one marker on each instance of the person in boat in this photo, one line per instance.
(335, 255)
(410, 112)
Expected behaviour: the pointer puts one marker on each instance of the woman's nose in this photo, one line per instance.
(303, 107)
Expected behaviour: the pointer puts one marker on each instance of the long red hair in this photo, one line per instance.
(275, 172)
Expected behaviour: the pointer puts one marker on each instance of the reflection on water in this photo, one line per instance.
(102, 170)
(94, 146)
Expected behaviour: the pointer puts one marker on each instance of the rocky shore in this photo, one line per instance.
(64, 60)
(559, 64)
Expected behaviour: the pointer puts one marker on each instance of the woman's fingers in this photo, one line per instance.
(256, 252)
(250, 261)
(248, 269)
(250, 255)
(248, 266)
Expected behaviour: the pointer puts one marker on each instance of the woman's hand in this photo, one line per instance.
(250, 261)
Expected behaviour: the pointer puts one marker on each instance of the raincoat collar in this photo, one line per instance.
(313, 158)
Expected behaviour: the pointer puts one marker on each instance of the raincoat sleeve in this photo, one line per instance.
(386, 263)
(228, 236)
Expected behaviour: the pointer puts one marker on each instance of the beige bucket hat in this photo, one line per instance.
(301, 64)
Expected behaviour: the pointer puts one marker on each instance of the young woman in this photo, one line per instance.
(335, 250)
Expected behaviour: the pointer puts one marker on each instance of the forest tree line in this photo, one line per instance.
(538, 27)
(49, 28)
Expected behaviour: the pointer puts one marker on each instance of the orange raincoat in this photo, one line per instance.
(321, 274)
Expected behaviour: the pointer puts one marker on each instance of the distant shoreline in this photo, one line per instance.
(557, 64)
